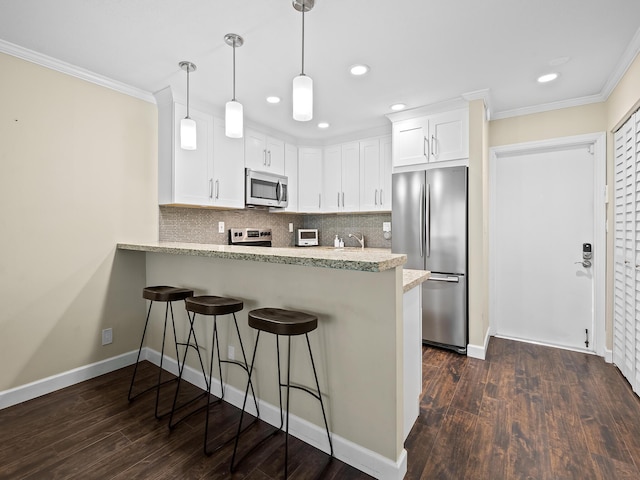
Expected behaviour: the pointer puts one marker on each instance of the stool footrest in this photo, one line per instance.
(303, 388)
(172, 424)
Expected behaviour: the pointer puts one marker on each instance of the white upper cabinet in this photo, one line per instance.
(211, 175)
(310, 180)
(263, 153)
(341, 178)
(438, 137)
(291, 172)
(375, 174)
(228, 168)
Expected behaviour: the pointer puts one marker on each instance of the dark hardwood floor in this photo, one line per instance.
(526, 412)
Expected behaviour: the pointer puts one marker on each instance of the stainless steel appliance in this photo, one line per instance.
(429, 225)
(307, 237)
(263, 189)
(250, 237)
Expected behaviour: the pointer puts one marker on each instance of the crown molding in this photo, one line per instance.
(546, 107)
(623, 65)
(484, 95)
(74, 71)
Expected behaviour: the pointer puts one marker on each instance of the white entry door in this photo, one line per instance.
(543, 213)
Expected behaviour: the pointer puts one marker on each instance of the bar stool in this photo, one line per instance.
(212, 306)
(282, 323)
(167, 295)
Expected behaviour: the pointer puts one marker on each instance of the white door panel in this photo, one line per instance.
(544, 212)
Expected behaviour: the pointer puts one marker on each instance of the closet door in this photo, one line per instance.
(627, 238)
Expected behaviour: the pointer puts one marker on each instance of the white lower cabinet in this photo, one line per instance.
(211, 175)
(375, 174)
(310, 180)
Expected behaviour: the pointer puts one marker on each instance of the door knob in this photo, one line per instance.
(585, 263)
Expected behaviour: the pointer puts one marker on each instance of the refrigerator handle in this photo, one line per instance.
(422, 222)
(428, 221)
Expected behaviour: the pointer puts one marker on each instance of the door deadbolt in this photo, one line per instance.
(587, 255)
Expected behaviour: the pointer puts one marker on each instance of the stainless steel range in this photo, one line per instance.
(254, 237)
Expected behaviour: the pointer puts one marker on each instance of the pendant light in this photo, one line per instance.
(303, 84)
(233, 116)
(187, 125)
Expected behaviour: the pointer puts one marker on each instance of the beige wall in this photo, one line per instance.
(78, 175)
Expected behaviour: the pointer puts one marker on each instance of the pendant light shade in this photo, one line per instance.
(188, 134)
(188, 140)
(302, 98)
(233, 112)
(303, 84)
(233, 119)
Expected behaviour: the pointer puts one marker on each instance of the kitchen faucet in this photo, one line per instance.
(360, 241)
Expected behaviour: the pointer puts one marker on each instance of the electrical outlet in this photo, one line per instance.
(107, 336)
(291, 227)
(220, 227)
(231, 352)
(386, 226)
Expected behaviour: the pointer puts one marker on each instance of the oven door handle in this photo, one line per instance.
(278, 192)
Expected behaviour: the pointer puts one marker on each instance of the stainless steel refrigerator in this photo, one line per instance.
(429, 225)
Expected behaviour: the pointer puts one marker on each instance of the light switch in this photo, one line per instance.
(220, 227)
(386, 226)
(291, 227)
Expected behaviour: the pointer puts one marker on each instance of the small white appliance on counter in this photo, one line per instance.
(307, 237)
(264, 189)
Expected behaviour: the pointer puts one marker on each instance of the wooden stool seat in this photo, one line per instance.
(212, 305)
(165, 293)
(282, 322)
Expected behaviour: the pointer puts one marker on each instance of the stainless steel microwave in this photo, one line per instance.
(264, 189)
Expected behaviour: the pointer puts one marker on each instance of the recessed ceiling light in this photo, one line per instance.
(323, 125)
(549, 77)
(273, 99)
(398, 106)
(358, 69)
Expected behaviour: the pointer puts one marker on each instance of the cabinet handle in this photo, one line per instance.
(217, 189)
(269, 152)
(211, 188)
(342, 199)
(381, 201)
(264, 157)
(434, 145)
(425, 148)
(338, 199)
(376, 197)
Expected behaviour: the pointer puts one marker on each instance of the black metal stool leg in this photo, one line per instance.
(286, 438)
(315, 375)
(244, 357)
(135, 369)
(164, 336)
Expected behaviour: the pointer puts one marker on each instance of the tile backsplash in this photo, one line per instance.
(200, 225)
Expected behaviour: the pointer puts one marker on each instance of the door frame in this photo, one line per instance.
(598, 143)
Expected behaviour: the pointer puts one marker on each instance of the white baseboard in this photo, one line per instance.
(479, 351)
(62, 380)
(344, 450)
(608, 355)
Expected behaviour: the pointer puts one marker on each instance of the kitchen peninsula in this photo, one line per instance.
(360, 343)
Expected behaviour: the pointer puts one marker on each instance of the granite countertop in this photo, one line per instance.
(413, 278)
(367, 260)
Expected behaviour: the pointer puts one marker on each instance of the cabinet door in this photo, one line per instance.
(291, 171)
(275, 156)
(309, 179)
(228, 168)
(350, 197)
(332, 179)
(449, 136)
(370, 175)
(410, 144)
(386, 170)
(255, 150)
(193, 169)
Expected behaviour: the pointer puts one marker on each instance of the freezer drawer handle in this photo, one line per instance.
(445, 279)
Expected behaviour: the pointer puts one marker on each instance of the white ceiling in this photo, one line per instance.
(420, 51)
